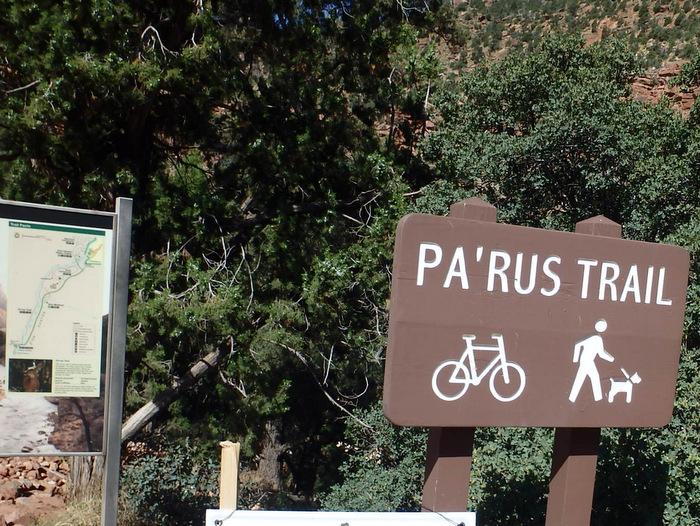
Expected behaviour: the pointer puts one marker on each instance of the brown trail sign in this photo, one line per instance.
(501, 325)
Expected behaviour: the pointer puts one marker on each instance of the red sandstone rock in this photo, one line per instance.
(30, 488)
(9, 490)
(653, 86)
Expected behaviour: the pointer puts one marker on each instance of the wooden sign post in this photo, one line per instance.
(575, 454)
(449, 456)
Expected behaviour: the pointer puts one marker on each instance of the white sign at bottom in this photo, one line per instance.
(337, 518)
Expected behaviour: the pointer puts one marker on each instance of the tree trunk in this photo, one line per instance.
(269, 466)
(85, 477)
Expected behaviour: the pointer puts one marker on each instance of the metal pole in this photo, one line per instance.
(115, 366)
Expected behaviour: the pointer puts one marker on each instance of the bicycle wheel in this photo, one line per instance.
(452, 387)
(507, 391)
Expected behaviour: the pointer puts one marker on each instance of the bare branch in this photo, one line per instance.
(353, 219)
(152, 34)
(30, 85)
(356, 396)
(237, 385)
(303, 360)
(407, 9)
(260, 218)
(328, 368)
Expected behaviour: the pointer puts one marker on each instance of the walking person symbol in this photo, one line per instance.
(585, 353)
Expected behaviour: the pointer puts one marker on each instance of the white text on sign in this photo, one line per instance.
(604, 280)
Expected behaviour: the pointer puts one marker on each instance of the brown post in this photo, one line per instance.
(449, 455)
(448, 464)
(474, 208)
(575, 454)
(574, 461)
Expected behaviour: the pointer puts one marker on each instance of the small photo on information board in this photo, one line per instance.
(55, 292)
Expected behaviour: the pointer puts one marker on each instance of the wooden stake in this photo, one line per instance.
(228, 489)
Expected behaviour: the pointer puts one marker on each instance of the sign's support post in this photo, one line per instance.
(449, 453)
(447, 470)
(575, 454)
(115, 368)
(574, 461)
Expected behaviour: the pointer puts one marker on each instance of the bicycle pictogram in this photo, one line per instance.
(452, 378)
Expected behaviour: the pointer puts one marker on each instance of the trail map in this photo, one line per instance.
(55, 302)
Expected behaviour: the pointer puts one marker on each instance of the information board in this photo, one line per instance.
(56, 267)
(500, 325)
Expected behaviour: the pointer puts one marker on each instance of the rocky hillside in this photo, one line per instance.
(663, 35)
(655, 85)
(658, 31)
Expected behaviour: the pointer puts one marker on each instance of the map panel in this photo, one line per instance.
(57, 283)
(55, 303)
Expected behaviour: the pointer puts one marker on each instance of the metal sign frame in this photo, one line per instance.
(117, 349)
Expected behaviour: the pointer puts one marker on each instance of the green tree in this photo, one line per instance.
(384, 471)
(265, 198)
(552, 138)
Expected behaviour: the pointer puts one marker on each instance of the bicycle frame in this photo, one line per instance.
(463, 372)
(469, 354)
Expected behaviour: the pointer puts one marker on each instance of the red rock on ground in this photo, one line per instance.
(31, 488)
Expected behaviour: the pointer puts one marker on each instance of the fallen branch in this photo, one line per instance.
(147, 413)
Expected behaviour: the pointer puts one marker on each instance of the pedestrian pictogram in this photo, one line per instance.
(585, 353)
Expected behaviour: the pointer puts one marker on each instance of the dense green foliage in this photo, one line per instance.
(174, 488)
(265, 200)
(552, 138)
(270, 148)
(385, 460)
